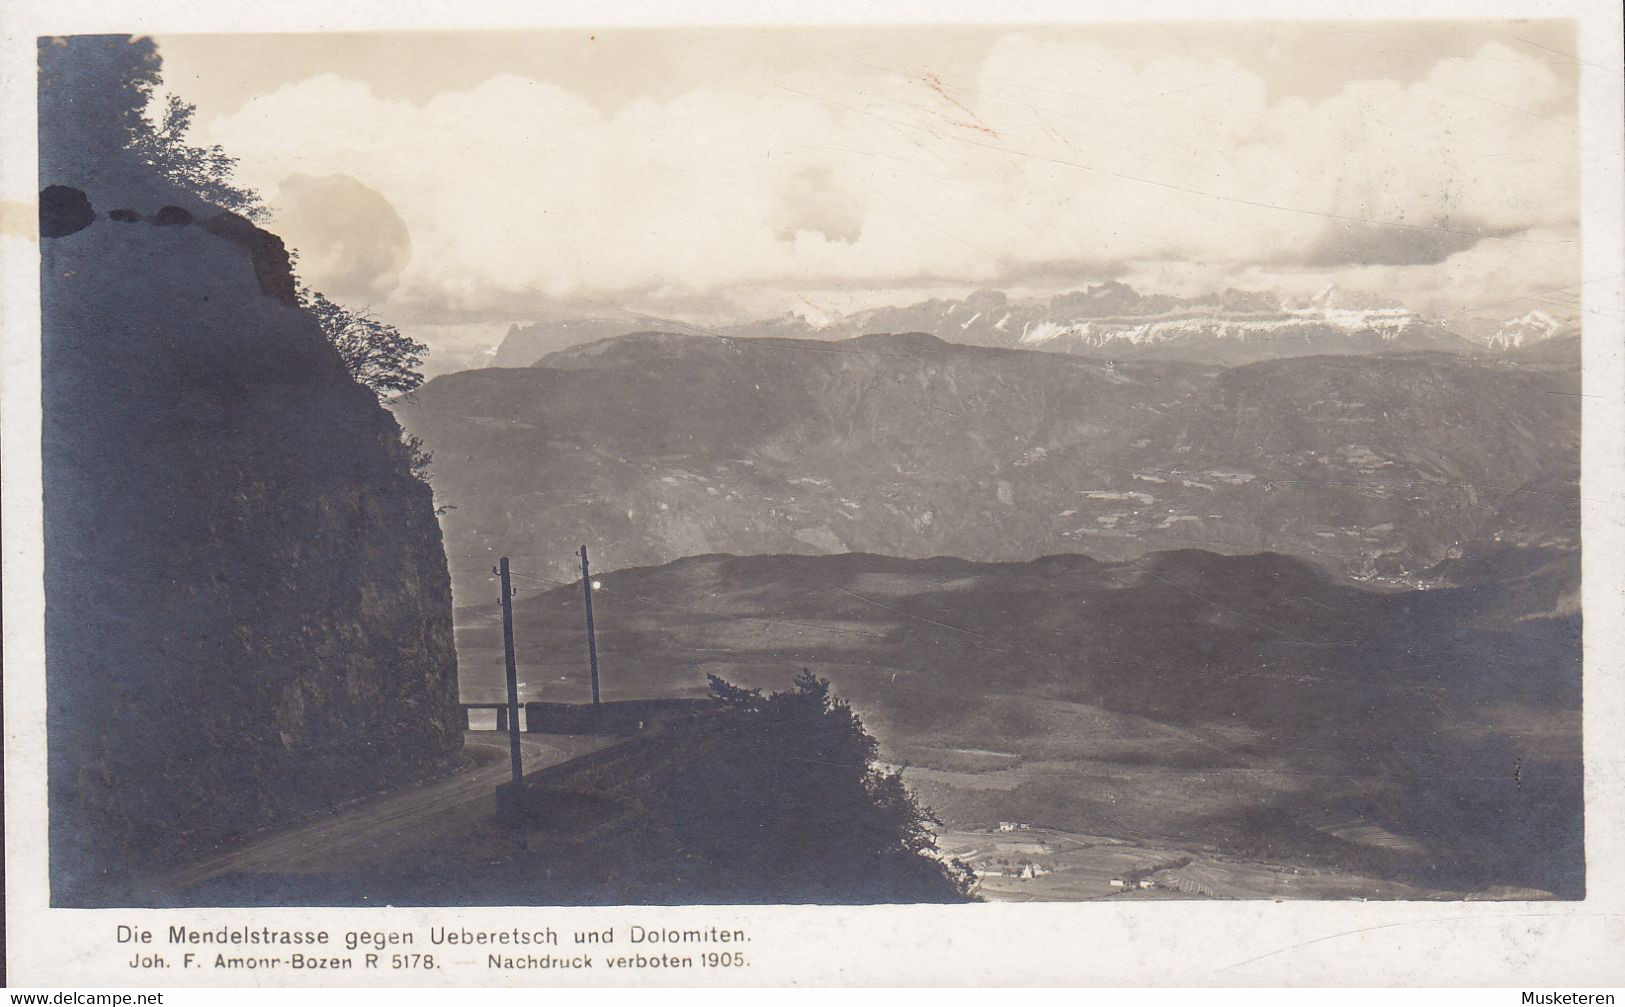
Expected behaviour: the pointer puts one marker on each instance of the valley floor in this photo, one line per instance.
(1035, 864)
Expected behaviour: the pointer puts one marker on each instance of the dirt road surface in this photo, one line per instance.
(359, 836)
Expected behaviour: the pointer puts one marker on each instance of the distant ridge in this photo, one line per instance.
(654, 446)
(1113, 321)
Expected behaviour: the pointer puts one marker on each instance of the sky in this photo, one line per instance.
(457, 183)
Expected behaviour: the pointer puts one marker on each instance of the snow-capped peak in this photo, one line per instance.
(1531, 327)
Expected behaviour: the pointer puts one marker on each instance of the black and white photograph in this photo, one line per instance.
(946, 463)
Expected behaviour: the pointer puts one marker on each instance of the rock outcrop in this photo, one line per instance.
(248, 607)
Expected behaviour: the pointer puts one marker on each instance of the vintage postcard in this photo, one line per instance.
(1104, 496)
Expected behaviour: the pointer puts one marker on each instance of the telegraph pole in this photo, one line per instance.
(513, 708)
(592, 637)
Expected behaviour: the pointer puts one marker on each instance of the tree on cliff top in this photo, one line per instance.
(376, 353)
(204, 171)
(97, 94)
(92, 93)
(99, 133)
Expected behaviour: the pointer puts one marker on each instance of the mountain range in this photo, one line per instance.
(653, 446)
(1109, 320)
(1312, 612)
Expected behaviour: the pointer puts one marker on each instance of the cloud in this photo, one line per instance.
(1490, 278)
(352, 243)
(517, 190)
(1352, 243)
(812, 202)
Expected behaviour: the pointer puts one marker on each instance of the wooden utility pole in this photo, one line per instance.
(513, 708)
(592, 637)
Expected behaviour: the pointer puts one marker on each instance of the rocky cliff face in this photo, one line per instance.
(248, 607)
